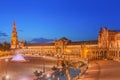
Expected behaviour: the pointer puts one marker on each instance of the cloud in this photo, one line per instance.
(41, 40)
(2, 34)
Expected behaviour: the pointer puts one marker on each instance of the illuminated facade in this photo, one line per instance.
(107, 46)
(110, 41)
(14, 38)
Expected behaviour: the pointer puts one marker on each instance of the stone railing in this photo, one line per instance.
(83, 69)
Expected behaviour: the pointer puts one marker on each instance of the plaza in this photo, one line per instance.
(44, 56)
(59, 39)
(102, 70)
(25, 70)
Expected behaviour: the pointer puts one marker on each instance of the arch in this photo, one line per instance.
(105, 54)
(58, 50)
(93, 55)
(101, 54)
(119, 53)
(97, 55)
(88, 55)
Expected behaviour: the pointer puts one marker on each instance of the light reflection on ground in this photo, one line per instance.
(25, 78)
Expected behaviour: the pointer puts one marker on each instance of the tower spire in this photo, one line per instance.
(14, 25)
(14, 38)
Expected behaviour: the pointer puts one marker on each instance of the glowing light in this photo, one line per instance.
(6, 60)
(7, 77)
(68, 50)
(48, 75)
(24, 78)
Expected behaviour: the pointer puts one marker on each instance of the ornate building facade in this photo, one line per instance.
(106, 47)
(14, 39)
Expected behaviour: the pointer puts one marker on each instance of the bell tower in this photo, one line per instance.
(14, 38)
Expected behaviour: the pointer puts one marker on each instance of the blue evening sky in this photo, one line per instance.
(53, 19)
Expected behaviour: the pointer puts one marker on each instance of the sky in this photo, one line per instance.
(52, 19)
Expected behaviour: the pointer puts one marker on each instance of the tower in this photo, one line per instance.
(14, 38)
(100, 37)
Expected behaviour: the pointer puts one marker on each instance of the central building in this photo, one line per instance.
(106, 47)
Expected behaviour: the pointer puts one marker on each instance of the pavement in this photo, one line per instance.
(102, 70)
(24, 71)
(97, 70)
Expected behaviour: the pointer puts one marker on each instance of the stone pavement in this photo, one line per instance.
(92, 73)
(102, 70)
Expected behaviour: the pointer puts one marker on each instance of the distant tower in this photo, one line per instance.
(14, 38)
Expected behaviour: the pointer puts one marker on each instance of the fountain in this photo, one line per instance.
(18, 58)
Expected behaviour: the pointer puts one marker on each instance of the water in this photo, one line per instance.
(73, 73)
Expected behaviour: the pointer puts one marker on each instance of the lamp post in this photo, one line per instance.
(6, 77)
(43, 65)
(6, 61)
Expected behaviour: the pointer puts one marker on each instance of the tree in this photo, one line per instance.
(4, 46)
